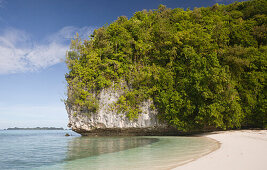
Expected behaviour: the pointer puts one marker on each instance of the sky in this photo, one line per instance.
(34, 38)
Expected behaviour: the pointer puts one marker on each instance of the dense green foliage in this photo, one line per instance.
(203, 68)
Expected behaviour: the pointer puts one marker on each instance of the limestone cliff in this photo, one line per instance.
(108, 122)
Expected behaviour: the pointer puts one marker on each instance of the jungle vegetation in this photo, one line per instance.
(203, 68)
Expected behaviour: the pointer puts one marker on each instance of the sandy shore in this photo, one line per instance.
(240, 150)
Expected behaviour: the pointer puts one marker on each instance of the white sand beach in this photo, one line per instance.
(240, 150)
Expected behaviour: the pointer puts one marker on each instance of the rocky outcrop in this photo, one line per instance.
(108, 122)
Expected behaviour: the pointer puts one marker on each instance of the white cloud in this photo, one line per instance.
(18, 52)
(69, 32)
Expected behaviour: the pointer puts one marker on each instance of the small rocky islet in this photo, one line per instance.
(171, 71)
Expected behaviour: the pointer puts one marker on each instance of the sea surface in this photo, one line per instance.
(51, 149)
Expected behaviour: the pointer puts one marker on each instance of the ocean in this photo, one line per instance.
(51, 149)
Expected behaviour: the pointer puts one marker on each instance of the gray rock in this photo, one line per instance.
(116, 123)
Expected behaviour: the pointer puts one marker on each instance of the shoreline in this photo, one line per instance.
(199, 156)
(239, 149)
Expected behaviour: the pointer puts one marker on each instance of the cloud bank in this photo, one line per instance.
(19, 53)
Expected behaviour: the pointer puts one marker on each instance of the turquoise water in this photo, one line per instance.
(30, 149)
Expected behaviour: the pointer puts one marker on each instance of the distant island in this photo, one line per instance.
(36, 128)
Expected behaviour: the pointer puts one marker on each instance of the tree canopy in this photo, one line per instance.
(203, 68)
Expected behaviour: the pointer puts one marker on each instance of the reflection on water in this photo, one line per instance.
(155, 153)
(51, 150)
(82, 147)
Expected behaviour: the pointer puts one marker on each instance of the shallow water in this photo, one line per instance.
(25, 149)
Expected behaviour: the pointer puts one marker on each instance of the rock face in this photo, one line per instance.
(108, 122)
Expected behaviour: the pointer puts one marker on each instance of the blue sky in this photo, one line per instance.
(34, 37)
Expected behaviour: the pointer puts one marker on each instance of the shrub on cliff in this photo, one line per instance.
(202, 68)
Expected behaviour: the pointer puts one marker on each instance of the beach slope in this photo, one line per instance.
(240, 150)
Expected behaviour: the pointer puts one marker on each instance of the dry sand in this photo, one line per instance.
(240, 150)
